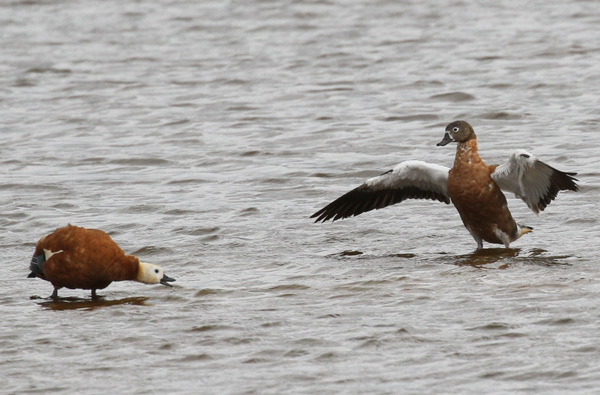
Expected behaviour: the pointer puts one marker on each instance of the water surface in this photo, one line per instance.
(202, 135)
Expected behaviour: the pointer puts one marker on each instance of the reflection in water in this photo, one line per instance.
(490, 258)
(72, 303)
(487, 256)
(505, 257)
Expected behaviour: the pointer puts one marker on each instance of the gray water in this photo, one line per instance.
(202, 135)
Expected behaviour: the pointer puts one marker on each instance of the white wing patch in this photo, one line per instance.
(531, 180)
(48, 253)
(412, 179)
(413, 173)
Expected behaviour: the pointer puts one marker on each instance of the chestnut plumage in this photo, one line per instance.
(473, 187)
(75, 257)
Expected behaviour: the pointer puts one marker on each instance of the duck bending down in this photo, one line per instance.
(75, 257)
(473, 187)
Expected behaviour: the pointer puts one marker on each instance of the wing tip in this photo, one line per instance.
(559, 181)
(320, 215)
(564, 181)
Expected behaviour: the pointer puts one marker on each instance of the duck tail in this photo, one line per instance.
(36, 266)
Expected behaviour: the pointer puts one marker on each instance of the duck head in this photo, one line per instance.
(457, 131)
(152, 274)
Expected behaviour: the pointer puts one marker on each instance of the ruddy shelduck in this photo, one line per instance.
(473, 187)
(75, 257)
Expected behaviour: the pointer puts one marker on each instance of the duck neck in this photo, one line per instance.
(466, 152)
(126, 269)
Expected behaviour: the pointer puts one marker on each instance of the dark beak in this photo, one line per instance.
(447, 139)
(166, 280)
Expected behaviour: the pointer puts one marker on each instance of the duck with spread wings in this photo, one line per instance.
(475, 188)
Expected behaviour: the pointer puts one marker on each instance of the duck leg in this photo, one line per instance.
(479, 241)
(54, 294)
(94, 296)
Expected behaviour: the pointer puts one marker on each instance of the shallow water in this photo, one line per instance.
(202, 135)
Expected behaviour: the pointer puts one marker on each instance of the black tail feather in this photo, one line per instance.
(36, 266)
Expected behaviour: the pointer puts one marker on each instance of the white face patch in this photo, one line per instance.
(149, 273)
(453, 133)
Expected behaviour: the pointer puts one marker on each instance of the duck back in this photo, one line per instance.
(84, 258)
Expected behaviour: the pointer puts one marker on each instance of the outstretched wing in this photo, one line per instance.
(409, 180)
(532, 181)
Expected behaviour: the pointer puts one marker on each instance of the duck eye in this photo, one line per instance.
(455, 129)
(156, 271)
